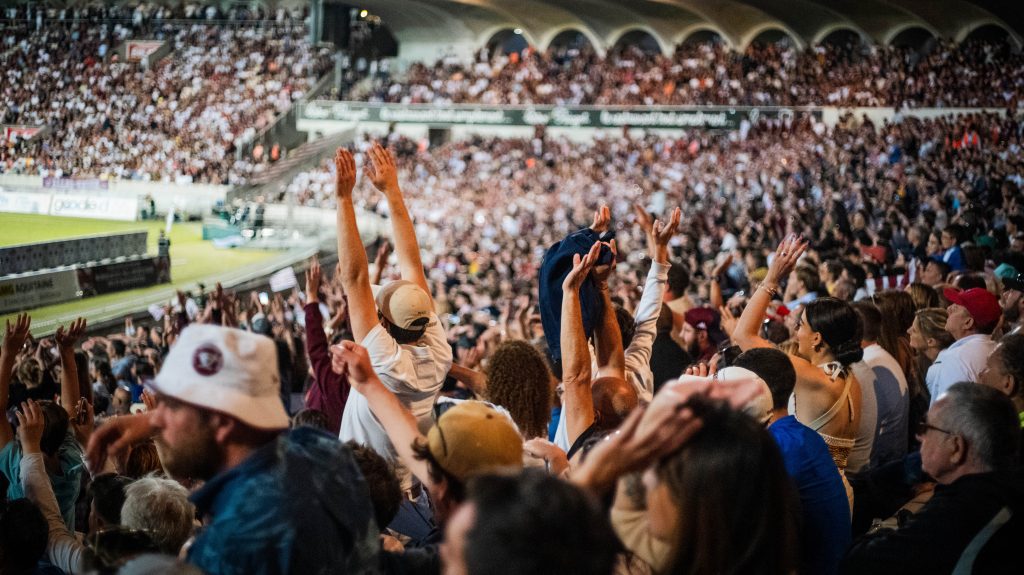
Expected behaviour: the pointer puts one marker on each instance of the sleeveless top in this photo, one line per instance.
(838, 447)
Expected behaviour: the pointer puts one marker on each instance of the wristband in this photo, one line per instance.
(772, 291)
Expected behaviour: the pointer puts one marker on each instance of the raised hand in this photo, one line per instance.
(115, 436)
(723, 266)
(786, 256)
(380, 169)
(581, 267)
(661, 233)
(352, 358)
(30, 426)
(643, 219)
(313, 277)
(16, 335)
(602, 272)
(66, 339)
(633, 447)
(602, 220)
(345, 178)
(554, 458)
(728, 321)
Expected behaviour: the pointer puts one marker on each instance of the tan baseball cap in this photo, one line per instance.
(473, 438)
(405, 305)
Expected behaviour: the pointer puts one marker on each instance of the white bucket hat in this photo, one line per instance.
(227, 370)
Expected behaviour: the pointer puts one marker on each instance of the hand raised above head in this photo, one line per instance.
(380, 168)
(345, 177)
(16, 335)
(581, 266)
(602, 220)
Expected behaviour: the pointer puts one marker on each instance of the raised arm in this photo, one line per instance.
(577, 402)
(716, 298)
(748, 327)
(69, 384)
(383, 173)
(400, 424)
(14, 339)
(638, 352)
(611, 358)
(352, 264)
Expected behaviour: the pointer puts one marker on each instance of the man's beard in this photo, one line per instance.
(198, 457)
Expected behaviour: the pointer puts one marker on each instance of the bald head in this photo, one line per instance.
(614, 399)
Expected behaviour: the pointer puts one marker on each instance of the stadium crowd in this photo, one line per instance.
(183, 119)
(797, 350)
(971, 74)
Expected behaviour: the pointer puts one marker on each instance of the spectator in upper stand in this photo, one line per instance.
(969, 444)
(952, 254)
(400, 329)
(972, 317)
(825, 528)
(218, 418)
(935, 272)
(890, 390)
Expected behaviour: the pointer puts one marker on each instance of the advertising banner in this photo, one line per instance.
(120, 276)
(659, 117)
(24, 203)
(75, 183)
(105, 208)
(138, 50)
(31, 291)
(21, 132)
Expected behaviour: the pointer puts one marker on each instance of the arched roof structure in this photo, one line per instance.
(464, 25)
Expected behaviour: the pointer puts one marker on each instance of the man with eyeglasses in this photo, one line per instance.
(969, 444)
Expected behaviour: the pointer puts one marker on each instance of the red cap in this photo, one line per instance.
(980, 303)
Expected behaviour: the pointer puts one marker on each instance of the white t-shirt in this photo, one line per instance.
(962, 361)
(413, 372)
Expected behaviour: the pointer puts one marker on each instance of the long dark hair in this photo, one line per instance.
(839, 327)
(738, 508)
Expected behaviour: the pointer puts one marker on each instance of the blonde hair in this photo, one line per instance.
(931, 322)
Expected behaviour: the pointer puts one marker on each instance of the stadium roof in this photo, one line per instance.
(461, 23)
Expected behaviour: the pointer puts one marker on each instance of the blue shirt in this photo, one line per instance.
(824, 508)
(297, 505)
(65, 486)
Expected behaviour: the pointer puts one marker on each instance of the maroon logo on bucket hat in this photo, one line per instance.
(207, 360)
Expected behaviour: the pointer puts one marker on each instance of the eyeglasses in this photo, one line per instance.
(924, 426)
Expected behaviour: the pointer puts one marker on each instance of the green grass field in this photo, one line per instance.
(192, 259)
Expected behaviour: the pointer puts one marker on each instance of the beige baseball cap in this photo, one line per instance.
(405, 305)
(473, 438)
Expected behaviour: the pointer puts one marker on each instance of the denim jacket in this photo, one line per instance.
(297, 505)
